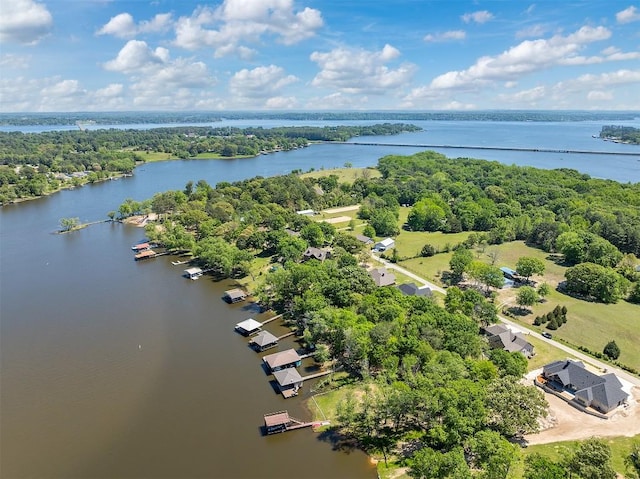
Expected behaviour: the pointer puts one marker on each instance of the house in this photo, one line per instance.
(248, 327)
(501, 337)
(282, 360)
(384, 245)
(289, 381)
(411, 289)
(382, 277)
(264, 340)
(364, 239)
(316, 253)
(603, 393)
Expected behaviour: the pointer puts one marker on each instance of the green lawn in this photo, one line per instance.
(545, 353)
(410, 243)
(429, 268)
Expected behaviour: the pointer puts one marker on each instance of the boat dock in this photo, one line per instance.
(234, 295)
(272, 319)
(148, 254)
(280, 421)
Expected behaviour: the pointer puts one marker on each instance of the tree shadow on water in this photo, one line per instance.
(338, 441)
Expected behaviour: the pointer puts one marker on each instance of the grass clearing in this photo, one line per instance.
(345, 175)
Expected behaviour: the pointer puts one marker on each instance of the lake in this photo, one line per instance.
(113, 368)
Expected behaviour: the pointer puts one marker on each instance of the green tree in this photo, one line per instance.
(428, 250)
(491, 453)
(539, 467)
(611, 350)
(592, 460)
(313, 235)
(527, 296)
(544, 290)
(513, 408)
(509, 364)
(632, 461)
(596, 281)
(67, 224)
(460, 262)
(527, 267)
(369, 231)
(428, 463)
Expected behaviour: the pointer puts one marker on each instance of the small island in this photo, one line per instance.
(621, 134)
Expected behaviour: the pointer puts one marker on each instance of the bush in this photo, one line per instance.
(611, 350)
(428, 250)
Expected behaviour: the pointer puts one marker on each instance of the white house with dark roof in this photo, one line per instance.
(603, 393)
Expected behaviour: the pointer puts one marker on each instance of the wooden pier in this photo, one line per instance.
(280, 421)
(317, 375)
(272, 319)
(285, 335)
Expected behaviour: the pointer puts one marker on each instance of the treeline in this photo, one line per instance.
(34, 164)
(623, 134)
(124, 118)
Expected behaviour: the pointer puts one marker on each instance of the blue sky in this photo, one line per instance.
(116, 55)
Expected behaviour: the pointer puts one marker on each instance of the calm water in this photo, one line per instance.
(112, 368)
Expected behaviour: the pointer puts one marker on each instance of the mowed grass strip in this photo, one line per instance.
(345, 175)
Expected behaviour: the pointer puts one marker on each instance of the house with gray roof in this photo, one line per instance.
(316, 253)
(382, 277)
(411, 289)
(501, 337)
(603, 393)
(282, 360)
(364, 239)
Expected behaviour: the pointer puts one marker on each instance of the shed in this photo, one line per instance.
(306, 212)
(234, 295)
(193, 273)
(248, 326)
(508, 272)
(282, 360)
(384, 245)
(264, 340)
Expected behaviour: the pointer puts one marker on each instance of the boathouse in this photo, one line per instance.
(234, 295)
(248, 327)
(264, 340)
(146, 254)
(282, 360)
(193, 273)
(276, 422)
(289, 381)
(141, 247)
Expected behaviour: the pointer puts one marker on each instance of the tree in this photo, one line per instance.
(430, 464)
(428, 250)
(491, 453)
(611, 350)
(632, 461)
(539, 467)
(596, 281)
(527, 267)
(527, 296)
(592, 460)
(460, 262)
(490, 276)
(509, 364)
(67, 224)
(313, 235)
(384, 222)
(544, 290)
(513, 408)
(369, 231)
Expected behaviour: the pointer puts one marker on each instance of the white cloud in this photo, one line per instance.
(123, 25)
(14, 62)
(628, 15)
(446, 36)
(336, 101)
(528, 97)
(135, 56)
(532, 31)
(524, 58)
(599, 95)
(261, 82)
(281, 103)
(456, 105)
(481, 16)
(236, 22)
(110, 91)
(358, 71)
(24, 21)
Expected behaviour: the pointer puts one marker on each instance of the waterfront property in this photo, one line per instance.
(282, 360)
(141, 247)
(289, 381)
(145, 254)
(248, 327)
(573, 382)
(280, 421)
(264, 340)
(193, 273)
(501, 337)
(234, 295)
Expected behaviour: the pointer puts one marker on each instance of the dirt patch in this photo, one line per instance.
(338, 219)
(342, 209)
(566, 423)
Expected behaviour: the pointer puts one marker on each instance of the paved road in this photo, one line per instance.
(578, 354)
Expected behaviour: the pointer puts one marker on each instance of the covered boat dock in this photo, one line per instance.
(264, 340)
(234, 295)
(248, 327)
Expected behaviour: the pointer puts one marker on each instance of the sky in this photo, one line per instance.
(162, 55)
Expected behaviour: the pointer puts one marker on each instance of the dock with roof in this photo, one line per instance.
(248, 327)
(281, 421)
(234, 295)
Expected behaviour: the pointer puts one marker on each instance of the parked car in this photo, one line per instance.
(547, 335)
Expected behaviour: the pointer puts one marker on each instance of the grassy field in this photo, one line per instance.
(345, 175)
